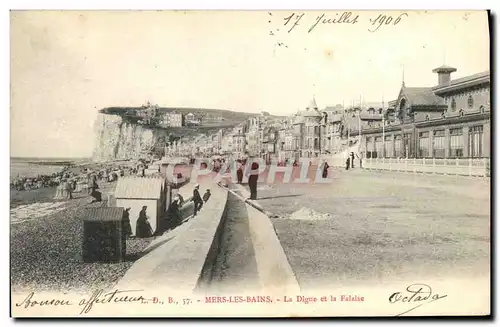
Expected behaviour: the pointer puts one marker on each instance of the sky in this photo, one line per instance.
(66, 65)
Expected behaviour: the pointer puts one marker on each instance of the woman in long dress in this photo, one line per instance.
(143, 228)
(126, 229)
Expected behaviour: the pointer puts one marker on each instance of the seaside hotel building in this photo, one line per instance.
(449, 120)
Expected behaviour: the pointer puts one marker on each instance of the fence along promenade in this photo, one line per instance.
(461, 167)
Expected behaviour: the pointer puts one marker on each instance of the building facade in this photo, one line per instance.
(449, 120)
(306, 131)
(173, 119)
(239, 139)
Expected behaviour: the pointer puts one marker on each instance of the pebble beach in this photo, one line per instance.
(46, 244)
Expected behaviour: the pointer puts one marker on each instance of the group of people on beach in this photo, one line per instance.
(23, 183)
(169, 220)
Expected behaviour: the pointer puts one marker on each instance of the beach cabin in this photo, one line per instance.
(136, 192)
(102, 235)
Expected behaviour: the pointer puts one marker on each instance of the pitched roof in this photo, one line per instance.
(392, 103)
(102, 214)
(351, 122)
(312, 113)
(312, 104)
(422, 96)
(334, 117)
(139, 187)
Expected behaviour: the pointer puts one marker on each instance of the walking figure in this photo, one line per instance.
(325, 170)
(198, 201)
(206, 196)
(252, 180)
(239, 171)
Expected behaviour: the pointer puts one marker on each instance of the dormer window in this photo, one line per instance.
(427, 117)
(461, 113)
(481, 109)
(443, 115)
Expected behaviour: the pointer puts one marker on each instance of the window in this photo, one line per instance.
(388, 149)
(475, 141)
(370, 147)
(438, 147)
(397, 145)
(470, 102)
(423, 146)
(456, 143)
(481, 109)
(461, 113)
(427, 117)
(378, 146)
(453, 104)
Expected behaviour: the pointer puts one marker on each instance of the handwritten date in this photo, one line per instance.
(385, 20)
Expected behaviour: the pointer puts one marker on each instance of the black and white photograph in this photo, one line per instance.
(264, 163)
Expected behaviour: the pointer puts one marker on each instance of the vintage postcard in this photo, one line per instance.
(250, 163)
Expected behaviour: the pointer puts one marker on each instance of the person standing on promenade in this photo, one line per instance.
(173, 215)
(239, 171)
(252, 180)
(360, 157)
(206, 196)
(198, 201)
(325, 169)
(352, 159)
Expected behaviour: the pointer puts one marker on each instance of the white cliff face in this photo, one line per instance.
(117, 139)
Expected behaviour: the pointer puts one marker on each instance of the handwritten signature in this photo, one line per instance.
(419, 294)
(98, 297)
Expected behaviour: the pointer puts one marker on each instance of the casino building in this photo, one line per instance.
(449, 120)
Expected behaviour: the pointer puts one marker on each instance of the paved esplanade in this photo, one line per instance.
(383, 226)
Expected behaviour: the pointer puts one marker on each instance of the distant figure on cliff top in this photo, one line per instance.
(143, 228)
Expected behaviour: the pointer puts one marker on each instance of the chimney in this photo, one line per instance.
(444, 73)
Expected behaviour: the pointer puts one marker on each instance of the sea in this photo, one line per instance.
(31, 167)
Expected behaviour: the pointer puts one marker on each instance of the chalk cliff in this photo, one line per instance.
(116, 138)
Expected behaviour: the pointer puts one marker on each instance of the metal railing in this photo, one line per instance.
(458, 166)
